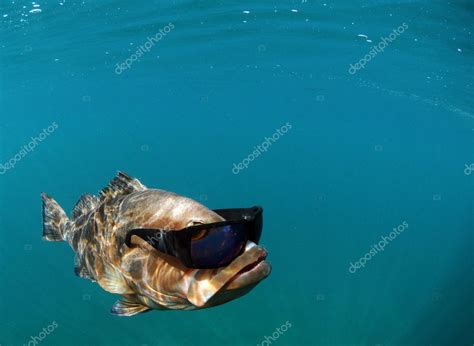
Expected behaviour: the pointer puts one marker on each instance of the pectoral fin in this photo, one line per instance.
(111, 280)
(128, 306)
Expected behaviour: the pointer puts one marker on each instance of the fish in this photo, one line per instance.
(145, 278)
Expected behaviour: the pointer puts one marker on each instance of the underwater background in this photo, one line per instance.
(375, 139)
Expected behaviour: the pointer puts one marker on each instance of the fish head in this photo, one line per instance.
(168, 282)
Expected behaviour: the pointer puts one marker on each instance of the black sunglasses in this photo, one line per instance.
(210, 245)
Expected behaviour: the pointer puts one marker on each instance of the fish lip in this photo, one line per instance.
(200, 292)
(252, 267)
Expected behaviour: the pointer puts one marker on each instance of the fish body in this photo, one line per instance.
(146, 278)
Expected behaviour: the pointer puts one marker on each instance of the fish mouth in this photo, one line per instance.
(251, 273)
(247, 269)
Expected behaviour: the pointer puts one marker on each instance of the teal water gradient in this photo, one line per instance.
(365, 153)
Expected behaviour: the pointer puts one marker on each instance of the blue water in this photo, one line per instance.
(366, 152)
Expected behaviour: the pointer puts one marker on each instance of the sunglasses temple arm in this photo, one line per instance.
(163, 241)
(156, 238)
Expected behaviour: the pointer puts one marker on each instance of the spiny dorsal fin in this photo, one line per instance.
(121, 185)
(84, 205)
(128, 306)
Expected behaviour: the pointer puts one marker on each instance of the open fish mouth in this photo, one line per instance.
(247, 269)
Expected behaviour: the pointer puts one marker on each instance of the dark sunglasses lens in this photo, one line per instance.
(257, 224)
(218, 246)
(258, 228)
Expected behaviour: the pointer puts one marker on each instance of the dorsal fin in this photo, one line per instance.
(84, 205)
(121, 185)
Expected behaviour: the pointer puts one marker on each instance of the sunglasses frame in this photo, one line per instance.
(178, 243)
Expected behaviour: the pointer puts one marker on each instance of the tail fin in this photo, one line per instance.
(54, 219)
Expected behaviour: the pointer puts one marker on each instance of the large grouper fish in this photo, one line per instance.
(146, 278)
